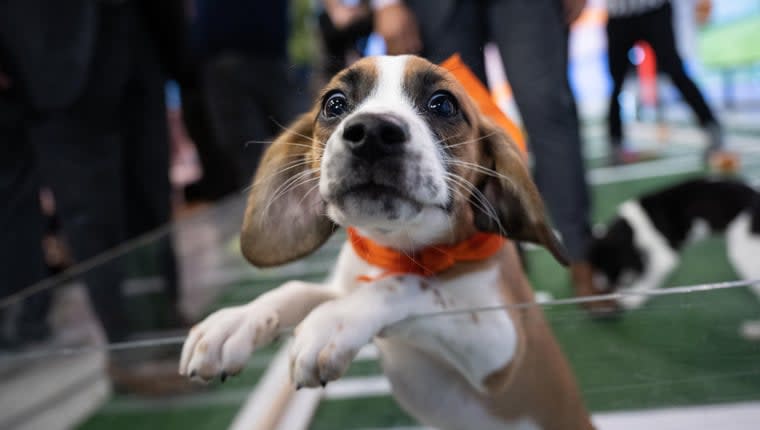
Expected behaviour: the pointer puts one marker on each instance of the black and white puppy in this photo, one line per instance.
(640, 246)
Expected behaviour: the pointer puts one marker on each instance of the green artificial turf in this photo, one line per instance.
(198, 418)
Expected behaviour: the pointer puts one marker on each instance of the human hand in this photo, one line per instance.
(343, 16)
(398, 26)
(703, 10)
(573, 9)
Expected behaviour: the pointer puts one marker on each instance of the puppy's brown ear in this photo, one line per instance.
(509, 189)
(285, 216)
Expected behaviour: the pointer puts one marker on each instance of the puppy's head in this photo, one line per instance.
(395, 147)
(614, 257)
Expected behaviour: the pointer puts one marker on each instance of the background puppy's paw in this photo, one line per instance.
(633, 301)
(750, 330)
(221, 345)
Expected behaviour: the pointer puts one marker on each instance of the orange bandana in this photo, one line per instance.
(429, 261)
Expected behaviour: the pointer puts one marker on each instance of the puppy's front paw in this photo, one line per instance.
(633, 299)
(325, 344)
(221, 345)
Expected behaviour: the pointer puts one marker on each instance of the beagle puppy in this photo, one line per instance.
(396, 150)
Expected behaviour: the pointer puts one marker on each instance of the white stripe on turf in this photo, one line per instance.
(649, 169)
(734, 416)
(349, 388)
(263, 408)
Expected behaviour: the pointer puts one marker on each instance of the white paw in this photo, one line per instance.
(326, 342)
(636, 295)
(633, 301)
(750, 330)
(221, 345)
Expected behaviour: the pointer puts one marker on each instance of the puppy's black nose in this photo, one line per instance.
(375, 135)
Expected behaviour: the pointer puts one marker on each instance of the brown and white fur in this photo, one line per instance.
(395, 148)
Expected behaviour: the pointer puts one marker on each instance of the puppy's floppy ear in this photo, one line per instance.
(285, 216)
(512, 193)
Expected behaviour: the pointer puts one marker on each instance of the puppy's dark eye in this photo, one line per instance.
(443, 104)
(335, 105)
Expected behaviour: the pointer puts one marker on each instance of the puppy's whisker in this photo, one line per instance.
(481, 203)
(443, 140)
(297, 133)
(296, 160)
(289, 184)
(310, 190)
(476, 197)
(471, 141)
(286, 167)
(263, 142)
(483, 170)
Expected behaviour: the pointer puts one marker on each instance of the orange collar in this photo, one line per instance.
(429, 261)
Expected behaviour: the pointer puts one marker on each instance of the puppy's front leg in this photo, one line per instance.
(634, 296)
(221, 344)
(329, 338)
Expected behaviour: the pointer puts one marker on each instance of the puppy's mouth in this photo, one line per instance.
(375, 191)
(370, 204)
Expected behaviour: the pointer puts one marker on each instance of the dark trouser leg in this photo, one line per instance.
(250, 100)
(283, 98)
(216, 166)
(146, 156)
(81, 160)
(619, 42)
(532, 38)
(239, 125)
(21, 260)
(451, 26)
(659, 34)
(82, 167)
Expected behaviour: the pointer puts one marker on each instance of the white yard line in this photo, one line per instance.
(274, 404)
(300, 410)
(665, 167)
(649, 169)
(732, 416)
(366, 386)
(264, 407)
(368, 353)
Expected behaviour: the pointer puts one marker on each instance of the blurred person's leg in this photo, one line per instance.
(21, 231)
(215, 182)
(145, 160)
(239, 123)
(620, 39)
(283, 97)
(658, 31)
(451, 26)
(532, 39)
(81, 160)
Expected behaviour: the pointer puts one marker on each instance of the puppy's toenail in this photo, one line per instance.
(298, 387)
(323, 383)
(223, 377)
(192, 373)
